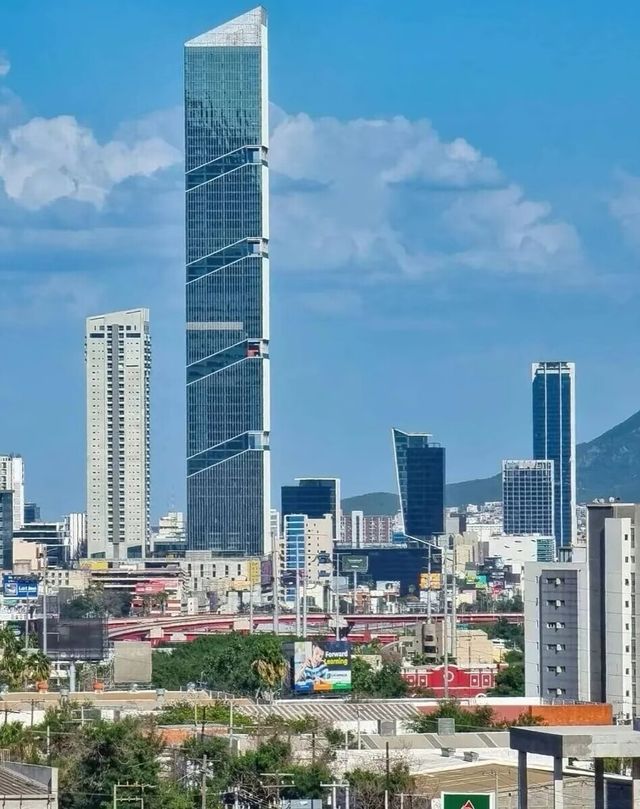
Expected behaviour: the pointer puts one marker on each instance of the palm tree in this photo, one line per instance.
(38, 667)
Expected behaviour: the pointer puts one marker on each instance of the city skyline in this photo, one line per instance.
(111, 239)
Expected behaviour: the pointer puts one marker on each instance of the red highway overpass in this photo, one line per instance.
(162, 628)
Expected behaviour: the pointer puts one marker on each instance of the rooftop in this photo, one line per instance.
(243, 31)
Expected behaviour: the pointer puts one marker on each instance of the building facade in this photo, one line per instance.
(314, 497)
(527, 497)
(31, 512)
(420, 472)
(306, 556)
(556, 631)
(614, 607)
(76, 527)
(12, 480)
(227, 298)
(554, 439)
(374, 529)
(118, 367)
(6, 527)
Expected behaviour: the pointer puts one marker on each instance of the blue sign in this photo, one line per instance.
(19, 586)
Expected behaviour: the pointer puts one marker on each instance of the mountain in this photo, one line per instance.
(607, 466)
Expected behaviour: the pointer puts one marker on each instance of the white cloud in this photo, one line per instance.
(5, 64)
(384, 197)
(625, 206)
(49, 159)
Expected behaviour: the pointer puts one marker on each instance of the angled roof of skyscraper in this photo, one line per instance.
(243, 30)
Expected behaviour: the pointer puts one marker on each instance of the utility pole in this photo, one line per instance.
(297, 597)
(387, 777)
(454, 606)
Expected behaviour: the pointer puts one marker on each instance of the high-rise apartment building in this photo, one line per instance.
(76, 527)
(614, 605)
(368, 529)
(227, 296)
(314, 497)
(527, 497)
(556, 631)
(118, 365)
(554, 439)
(12, 480)
(420, 472)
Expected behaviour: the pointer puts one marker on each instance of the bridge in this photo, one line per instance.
(160, 629)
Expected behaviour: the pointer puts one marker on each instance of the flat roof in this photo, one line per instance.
(586, 741)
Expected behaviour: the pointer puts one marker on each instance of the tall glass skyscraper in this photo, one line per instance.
(527, 497)
(420, 470)
(554, 439)
(226, 145)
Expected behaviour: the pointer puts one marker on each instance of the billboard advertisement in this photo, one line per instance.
(19, 586)
(354, 563)
(321, 667)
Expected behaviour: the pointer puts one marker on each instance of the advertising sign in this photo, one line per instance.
(353, 563)
(467, 800)
(19, 586)
(321, 666)
(430, 581)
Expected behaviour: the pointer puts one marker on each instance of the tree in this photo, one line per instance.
(466, 719)
(38, 666)
(386, 682)
(368, 788)
(510, 678)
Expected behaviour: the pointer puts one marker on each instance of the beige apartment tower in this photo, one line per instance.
(118, 365)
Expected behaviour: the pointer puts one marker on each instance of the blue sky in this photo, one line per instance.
(456, 192)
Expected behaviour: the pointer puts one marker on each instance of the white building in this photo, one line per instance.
(118, 364)
(76, 528)
(12, 480)
(307, 548)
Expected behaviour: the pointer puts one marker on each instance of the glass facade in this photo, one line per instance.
(554, 439)
(226, 142)
(6, 528)
(420, 469)
(314, 497)
(527, 497)
(295, 532)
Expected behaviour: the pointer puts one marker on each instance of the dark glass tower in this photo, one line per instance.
(420, 469)
(554, 439)
(226, 142)
(313, 497)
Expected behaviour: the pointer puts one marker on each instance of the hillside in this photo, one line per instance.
(607, 466)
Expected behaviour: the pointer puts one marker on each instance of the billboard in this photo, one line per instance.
(466, 800)
(19, 586)
(353, 563)
(430, 581)
(321, 667)
(75, 638)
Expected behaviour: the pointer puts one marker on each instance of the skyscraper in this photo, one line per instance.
(12, 480)
(6, 528)
(118, 365)
(227, 296)
(314, 497)
(554, 439)
(527, 497)
(420, 471)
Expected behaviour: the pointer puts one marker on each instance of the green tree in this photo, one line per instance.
(510, 678)
(385, 682)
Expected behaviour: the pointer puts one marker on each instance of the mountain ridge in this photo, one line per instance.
(606, 466)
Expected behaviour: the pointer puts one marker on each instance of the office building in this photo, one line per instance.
(554, 439)
(527, 497)
(12, 480)
(118, 366)
(420, 472)
(314, 497)
(31, 512)
(227, 292)
(169, 536)
(6, 528)
(614, 606)
(556, 631)
(306, 557)
(51, 535)
(357, 529)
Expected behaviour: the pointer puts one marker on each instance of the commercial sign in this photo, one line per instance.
(466, 800)
(353, 563)
(430, 581)
(321, 666)
(19, 586)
